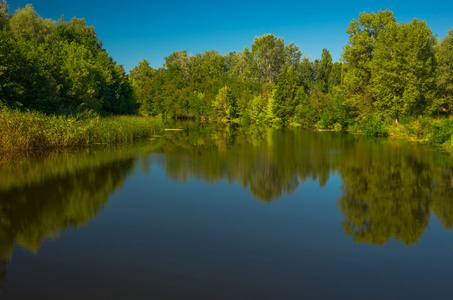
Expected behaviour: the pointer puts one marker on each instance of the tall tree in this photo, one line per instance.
(243, 66)
(359, 52)
(403, 69)
(207, 69)
(444, 76)
(325, 69)
(225, 104)
(78, 31)
(27, 24)
(3, 13)
(178, 64)
(269, 54)
(142, 80)
(335, 76)
(307, 74)
(293, 55)
(284, 103)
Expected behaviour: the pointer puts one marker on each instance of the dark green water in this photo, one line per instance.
(229, 213)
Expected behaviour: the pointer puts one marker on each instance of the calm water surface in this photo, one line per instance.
(229, 213)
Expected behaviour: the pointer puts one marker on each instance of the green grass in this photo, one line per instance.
(33, 130)
(426, 130)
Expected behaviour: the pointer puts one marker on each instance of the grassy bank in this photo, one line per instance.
(436, 131)
(32, 130)
(426, 130)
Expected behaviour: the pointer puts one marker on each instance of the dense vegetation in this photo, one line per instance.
(391, 74)
(58, 67)
(393, 78)
(33, 130)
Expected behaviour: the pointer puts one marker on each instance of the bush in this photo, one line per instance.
(374, 127)
(337, 127)
(441, 132)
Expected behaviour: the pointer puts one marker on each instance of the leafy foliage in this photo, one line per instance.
(374, 126)
(441, 132)
(58, 67)
(403, 69)
(389, 71)
(444, 74)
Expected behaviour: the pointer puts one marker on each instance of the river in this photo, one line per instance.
(229, 213)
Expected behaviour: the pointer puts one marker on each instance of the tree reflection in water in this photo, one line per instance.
(389, 188)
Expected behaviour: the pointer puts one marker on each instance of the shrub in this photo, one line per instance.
(374, 126)
(441, 132)
(337, 127)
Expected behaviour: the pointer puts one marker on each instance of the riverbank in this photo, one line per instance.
(426, 130)
(34, 130)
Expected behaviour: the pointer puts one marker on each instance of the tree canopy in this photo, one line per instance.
(388, 71)
(58, 67)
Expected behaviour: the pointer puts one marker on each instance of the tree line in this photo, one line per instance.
(58, 67)
(389, 72)
(269, 83)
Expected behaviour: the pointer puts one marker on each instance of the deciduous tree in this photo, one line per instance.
(444, 75)
(358, 54)
(402, 69)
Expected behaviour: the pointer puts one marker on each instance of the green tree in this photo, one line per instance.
(284, 103)
(3, 13)
(242, 66)
(24, 82)
(178, 64)
(335, 76)
(77, 31)
(116, 91)
(269, 54)
(307, 74)
(59, 67)
(142, 80)
(79, 69)
(403, 69)
(225, 104)
(358, 54)
(257, 109)
(307, 112)
(27, 24)
(325, 69)
(208, 73)
(292, 55)
(209, 66)
(444, 74)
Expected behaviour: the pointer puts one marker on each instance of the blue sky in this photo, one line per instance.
(132, 30)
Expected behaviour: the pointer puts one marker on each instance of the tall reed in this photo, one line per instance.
(34, 130)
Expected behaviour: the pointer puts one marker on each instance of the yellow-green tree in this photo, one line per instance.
(225, 104)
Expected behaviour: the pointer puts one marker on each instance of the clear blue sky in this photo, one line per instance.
(132, 30)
